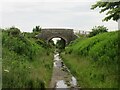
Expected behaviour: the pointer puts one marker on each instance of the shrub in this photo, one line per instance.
(37, 29)
(97, 30)
(13, 31)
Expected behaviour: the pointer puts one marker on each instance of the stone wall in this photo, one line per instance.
(48, 34)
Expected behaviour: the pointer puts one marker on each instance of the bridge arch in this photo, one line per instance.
(57, 37)
(49, 33)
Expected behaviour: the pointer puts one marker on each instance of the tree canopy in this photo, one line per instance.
(112, 8)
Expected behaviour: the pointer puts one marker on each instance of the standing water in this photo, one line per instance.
(61, 78)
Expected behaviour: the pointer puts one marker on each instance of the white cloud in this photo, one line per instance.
(26, 15)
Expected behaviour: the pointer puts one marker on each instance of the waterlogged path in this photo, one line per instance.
(62, 78)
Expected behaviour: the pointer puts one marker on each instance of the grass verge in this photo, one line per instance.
(93, 61)
(25, 64)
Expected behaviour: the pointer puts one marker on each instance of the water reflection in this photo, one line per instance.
(62, 78)
(61, 84)
(73, 81)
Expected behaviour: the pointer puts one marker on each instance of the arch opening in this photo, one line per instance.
(55, 40)
(58, 42)
(62, 38)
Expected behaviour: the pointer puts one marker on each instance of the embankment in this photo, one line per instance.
(25, 63)
(94, 61)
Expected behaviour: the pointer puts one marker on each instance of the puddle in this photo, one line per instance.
(57, 64)
(57, 61)
(73, 81)
(61, 84)
(56, 58)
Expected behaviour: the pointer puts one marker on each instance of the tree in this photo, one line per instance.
(37, 29)
(112, 8)
(97, 30)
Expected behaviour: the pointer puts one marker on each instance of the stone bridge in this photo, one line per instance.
(50, 33)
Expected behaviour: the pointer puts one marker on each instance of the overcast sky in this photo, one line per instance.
(75, 14)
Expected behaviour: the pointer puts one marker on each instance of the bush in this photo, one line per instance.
(13, 31)
(21, 46)
(37, 29)
(97, 30)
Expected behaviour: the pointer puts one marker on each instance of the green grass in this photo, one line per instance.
(25, 63)
(22, 71)
(93, 61)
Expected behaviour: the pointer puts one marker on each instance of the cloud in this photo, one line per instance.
(27, 15)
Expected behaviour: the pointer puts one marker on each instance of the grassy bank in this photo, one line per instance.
(25, 64)
(94, 61)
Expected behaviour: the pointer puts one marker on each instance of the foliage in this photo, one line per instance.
(13, 31)
(51, 43)
(60, 44)
(94, 61)
(97, 30)
(23, 62)
(112, 8)
(37, 29)
(28, 35)
(20, 45)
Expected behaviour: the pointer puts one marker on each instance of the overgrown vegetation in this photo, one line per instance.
(60, 45)
(94, 61)
(97, 30)
(37, 29)
(27, 63)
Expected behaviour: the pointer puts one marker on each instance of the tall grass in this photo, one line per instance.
(94, 61)
(25, 63)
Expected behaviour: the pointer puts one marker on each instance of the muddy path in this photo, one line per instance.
(61, 77)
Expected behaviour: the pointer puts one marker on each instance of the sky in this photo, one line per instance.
(72, 14)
